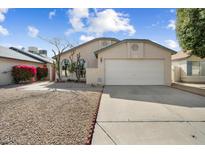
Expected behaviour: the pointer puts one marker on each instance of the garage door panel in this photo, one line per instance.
(134, 72)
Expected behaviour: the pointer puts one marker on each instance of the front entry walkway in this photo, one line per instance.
(149, 115)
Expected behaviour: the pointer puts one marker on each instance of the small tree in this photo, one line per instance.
(190, 28)
(78, 66)
(65, 64)
(60, 46)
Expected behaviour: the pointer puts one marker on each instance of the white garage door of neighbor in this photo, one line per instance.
(134, 72)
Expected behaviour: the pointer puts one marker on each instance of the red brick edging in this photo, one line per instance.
(88, 139)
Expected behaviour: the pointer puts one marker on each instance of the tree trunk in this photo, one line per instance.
(59, 69)
(78, 74)
(66, 74)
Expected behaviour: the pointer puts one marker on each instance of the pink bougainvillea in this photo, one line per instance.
(23, 73)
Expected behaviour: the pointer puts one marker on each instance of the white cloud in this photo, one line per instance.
(155, 41)
(3, 31)
(2, 17)
(18, 46)
(52, 14)
(110, 21)
(172, 10)
(86, 38)
(32, 31)
(76, 16)
(69, 31)
(99, 22)
(172, 24)
(3, 11)
(172, 44)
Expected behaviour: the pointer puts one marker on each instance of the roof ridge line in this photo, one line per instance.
(98, 38)
(126, 40)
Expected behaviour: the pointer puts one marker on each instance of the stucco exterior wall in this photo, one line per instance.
(179, 69)
(87, 52)
(92, 76)
(51, 71)
(125, 51)
(182, 65)
(176, 74)
(6, 65)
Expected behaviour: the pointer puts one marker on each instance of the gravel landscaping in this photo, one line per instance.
(46, 117)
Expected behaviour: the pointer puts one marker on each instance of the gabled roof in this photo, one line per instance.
(8, 53)
(32, 55)
(96, 39)
(138, 40)
(181, 55)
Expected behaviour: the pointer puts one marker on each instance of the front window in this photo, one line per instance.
(195, 68)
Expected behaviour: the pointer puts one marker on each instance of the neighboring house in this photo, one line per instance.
(127, 62)
(10, 57)
(188, 68)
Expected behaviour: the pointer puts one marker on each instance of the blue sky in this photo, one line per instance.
(21, 27)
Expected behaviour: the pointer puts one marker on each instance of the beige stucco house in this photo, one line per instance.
(128, 62)
(14, 56)
(188, 68)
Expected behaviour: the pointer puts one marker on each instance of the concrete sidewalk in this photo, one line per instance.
(150, 115)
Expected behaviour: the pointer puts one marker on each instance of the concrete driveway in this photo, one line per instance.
(150, 115)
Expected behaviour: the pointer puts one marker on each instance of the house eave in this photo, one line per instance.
(134, 40)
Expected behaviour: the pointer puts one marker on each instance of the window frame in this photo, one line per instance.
(190, 68)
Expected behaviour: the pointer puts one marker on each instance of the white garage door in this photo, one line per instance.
(134, 72)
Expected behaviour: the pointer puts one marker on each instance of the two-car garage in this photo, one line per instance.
(134, 62)
(134, 72)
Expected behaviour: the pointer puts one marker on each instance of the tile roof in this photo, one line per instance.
(180, 55)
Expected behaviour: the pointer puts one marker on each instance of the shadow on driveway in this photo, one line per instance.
(156, 94)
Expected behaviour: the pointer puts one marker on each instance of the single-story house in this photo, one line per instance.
(110, 61)
(10, 57)
(188, 68)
